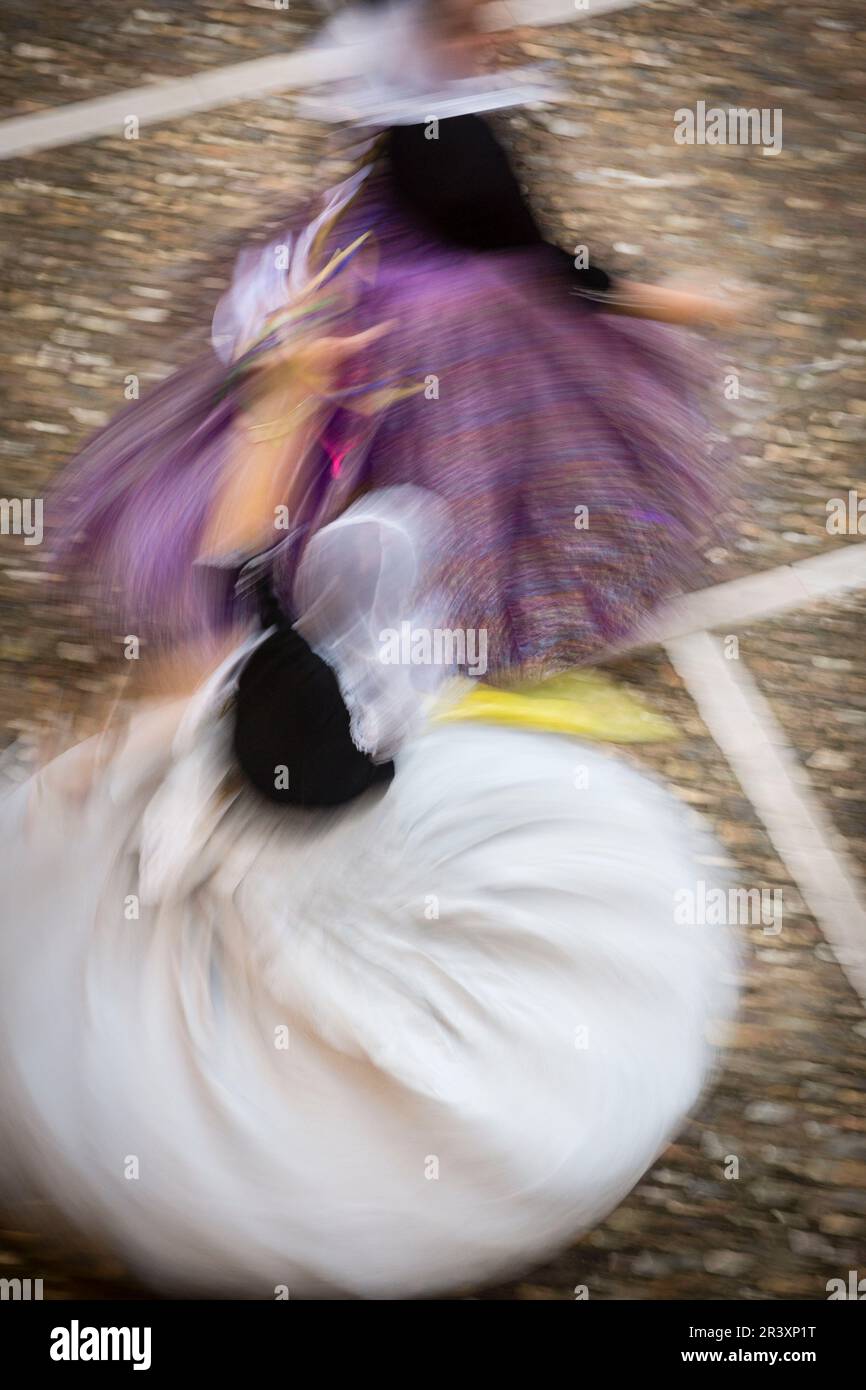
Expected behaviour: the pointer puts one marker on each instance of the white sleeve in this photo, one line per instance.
(361, 591)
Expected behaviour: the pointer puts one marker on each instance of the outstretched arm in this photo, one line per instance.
(669, 306)
(280, 418)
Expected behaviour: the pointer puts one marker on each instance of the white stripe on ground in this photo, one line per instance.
(504, 14)
(757, 596)
(165, 101)
(747, 733)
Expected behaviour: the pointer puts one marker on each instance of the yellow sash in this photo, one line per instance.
(585, 703)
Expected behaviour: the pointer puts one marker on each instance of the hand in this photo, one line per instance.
(721, 303)
(673, 304)
(318, 361)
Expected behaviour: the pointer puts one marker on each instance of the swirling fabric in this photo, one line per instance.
(393, 1051)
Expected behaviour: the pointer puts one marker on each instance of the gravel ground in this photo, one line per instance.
(114, 254)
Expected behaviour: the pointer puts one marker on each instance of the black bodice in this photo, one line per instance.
(292, 735)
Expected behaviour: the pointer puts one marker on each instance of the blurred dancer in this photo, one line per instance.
(393, 1048)
(415, 327)
(428, 1014)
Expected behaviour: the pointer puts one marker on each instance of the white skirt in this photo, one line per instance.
(396, 1049)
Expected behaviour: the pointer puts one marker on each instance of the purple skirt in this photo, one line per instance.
(569, 443)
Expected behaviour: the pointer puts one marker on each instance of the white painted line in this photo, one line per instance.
(757, 596)
(163, 101)
(307, 67)
(504, 14)
(840, 569)
(747, 733)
